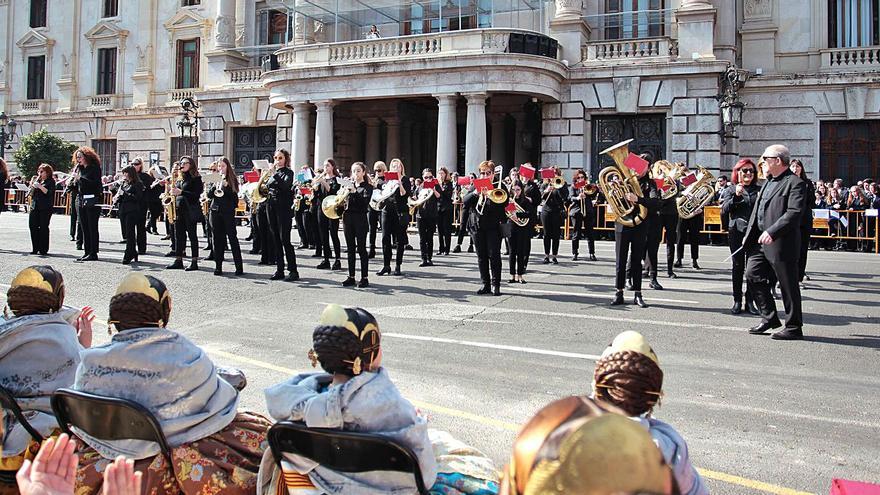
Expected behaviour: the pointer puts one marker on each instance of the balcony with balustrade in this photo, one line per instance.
(644, 36)
(863, 58)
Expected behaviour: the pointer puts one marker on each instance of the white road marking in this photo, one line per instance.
(486, 345)
(603, 295)
(786, 414)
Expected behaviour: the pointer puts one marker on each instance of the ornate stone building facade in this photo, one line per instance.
(448, 83)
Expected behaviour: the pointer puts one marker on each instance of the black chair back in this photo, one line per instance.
(8, 402)
(107, 418)
(344, 451)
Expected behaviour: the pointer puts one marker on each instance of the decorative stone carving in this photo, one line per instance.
(239, 36)
(224, 29)
(569, 8)
(757, 8)
(143, 58)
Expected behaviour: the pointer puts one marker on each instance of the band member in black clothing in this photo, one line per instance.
(669, 222)
(374, 216)
(130, 199)
(630, 241)
(355, 226)
(582, 220)
(71, 190)
(394, 220)
(301, 212)
(169, 227)
(328, 228)
(428, 214)
(652, 245)
(153, 193)
(147, 181)
(465, 214)
(224, 200)
(187, 192)
(4, 180)
(445, 210)
(205, 204)
(737, 202)
(280, 186)
(772, 243)
(797, 168)
(553, 206)
(689, 228)
(485, 227)
(87, 174)
(42, 192)
(520, 237)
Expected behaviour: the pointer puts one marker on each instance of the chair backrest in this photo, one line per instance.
(344, 451)
(107, 418)
(8, 402)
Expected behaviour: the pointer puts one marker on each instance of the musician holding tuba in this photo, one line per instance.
(582, 213)
(554, 194)
(280, 203)
(521, 229)
(484, 225)
(355, 224)
(326, 184)
(427, 209)
(689, 228)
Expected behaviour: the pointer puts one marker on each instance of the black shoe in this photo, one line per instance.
(574, 257)
(655, 284)
(166, 238)
(764, 326)
(554, 261)
(397, 270)
(430, 262)
(423, 264)
(72, 239)
(264, 262)
(126, 261)
(384, 271)
(193, 266)
(408, 247)
(239, 272)
(349, 282)
(638, 301)
(171, 254)
(618, 299)
(440, 253)
(546, 260)
(512, 280)
(363, 283)
(522, 280)
(249, 238)
(324, 265)
(671, 275)
(337, 265)
(177, 265)
(677, 264)
(485, 290)
(751, 308)
(90, 257)
(592, 257)
(292, 276)
(218, 271)
(496, 291)
(457, 249)
(696, 265)
(302, 246)
(737, 308)
(277, 276)
(471, 248)
(788, 334)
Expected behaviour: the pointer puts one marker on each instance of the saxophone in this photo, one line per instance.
(168, 200)
(616, 181)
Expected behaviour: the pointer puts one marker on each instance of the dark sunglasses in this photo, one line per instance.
(765, 158)
(747, 171)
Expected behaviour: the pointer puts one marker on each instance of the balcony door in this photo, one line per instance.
(648, 132)
(853, 23)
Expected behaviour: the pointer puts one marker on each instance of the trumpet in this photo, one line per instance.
(218, 191)
(317, 180)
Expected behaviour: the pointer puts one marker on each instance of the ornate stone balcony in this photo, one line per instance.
(660, 49)
(248, 76)
(101, 102)
(860, 58)
(32, 106)
(176, 95)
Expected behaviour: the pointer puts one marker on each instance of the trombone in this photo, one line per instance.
(498, 195)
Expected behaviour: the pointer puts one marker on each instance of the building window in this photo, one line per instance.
(628, 19)
(106, 71)
(106, 150)
(111, 8)
(853, 23)
(38, 13)
(188, 64)
(275, 27)
(36, 78)
(189, 3)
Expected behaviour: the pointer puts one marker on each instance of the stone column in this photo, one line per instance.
(566, 9)
(324, 132)
(371, 141)
(224, 25)
(447, 132)
(392, 138)
(299, 134)
(498, 154)
(303, 30)
(475, 136)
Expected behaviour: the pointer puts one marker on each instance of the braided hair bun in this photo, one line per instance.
(347, 341)
(140, 301)
(628, 375)
(36, 289)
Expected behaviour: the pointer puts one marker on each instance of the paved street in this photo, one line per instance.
(760, 416)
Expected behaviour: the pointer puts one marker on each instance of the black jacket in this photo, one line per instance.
(447, 189)
(556, 198)
(576, 204)
(397, 202)
(650, 199)
(738, 208)
(526, 204)
(320, 194)
(358, 203)
(782, 212)
(280, 187)
(225, 204)
(131, 197)
(41, 201)
(491, 219)
(191, 188)
(533, 191)
(809, 198)
(90, 183)
(431, 208)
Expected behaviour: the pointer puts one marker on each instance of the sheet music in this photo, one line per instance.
(261, 164)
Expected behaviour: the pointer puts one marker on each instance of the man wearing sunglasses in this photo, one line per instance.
(772, 243)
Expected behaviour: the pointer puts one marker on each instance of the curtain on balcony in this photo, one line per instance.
(853, 23)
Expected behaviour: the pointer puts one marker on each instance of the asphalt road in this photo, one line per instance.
(759, 416)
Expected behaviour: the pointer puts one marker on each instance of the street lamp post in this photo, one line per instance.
(7, 133)
(189, 122)
(729, 103)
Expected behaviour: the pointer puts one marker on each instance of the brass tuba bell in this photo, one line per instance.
(697, 195)
(616, 181)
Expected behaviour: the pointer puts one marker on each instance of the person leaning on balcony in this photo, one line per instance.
(374, 33)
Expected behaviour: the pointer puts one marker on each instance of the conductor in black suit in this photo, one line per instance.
(772, 243)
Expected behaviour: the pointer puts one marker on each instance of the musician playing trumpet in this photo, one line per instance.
(355, 224)
(553, 199)
(427, 217)
(280, 203)
(582, 213)
(42, 195)
(129, 199)
(394, 221)
(484, 225)
(221, 215)
(520, 235)
(327, 184)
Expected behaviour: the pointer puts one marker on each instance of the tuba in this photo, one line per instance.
(419, 201)
(670, 173)
(697, 195)
(616, 181)
(261, 192)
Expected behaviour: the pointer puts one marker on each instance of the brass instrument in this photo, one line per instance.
(168, 200)
(697, 195)
(515, 217)
(498, 195)
(670, 173)
(335, 204)
(316, 180)
(419, 201)
(261, 192)
(205, 202)
(218, 191)
(557, 182)
(616, 181)
(588, 190)
(379, 196)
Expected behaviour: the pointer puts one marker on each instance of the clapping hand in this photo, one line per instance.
(83, 325)
(53, 471)
(120, 478)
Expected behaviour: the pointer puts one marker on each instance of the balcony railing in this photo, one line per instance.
(860, 58)
(175, 96)
(616, 51)
(247, 75)
(101, 101)
(32, 106)
(423, 46)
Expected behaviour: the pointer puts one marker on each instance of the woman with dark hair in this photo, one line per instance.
(42, 193)
(428, 213)
(87, 174)
(520, 237)
(797, 167)
(355, 225)
(280, 204)
(217, 446)
(4, 180)
(224, 200)
(328, 228)
(582, 221)
(445, 208)
(394, 221)
(130, 199)
(737, 202)
(553, 205)
(374, 216)
(187, 192)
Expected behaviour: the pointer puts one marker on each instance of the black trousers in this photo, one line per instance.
(462, 227)
(264, 234)
(444, 228)
(155, 210)
(38, 222)
(373, 218)
(760, 273)
(223, 229)
(301, 227)
(329, 230)
(207, 231)
(670, 225)
(88, 217)
(311, 218)
(652, 244)
(355, 229)
(805, 248)
(75, 233)
(690, 229)
(141, 229)
(520, 245)
(427, 228)
(393, 234)
(130, 221)
(735, 240)
(583, 229)
(629, 241)
(280, 225)
(552, 222)
(186, 227)
(488, 243)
